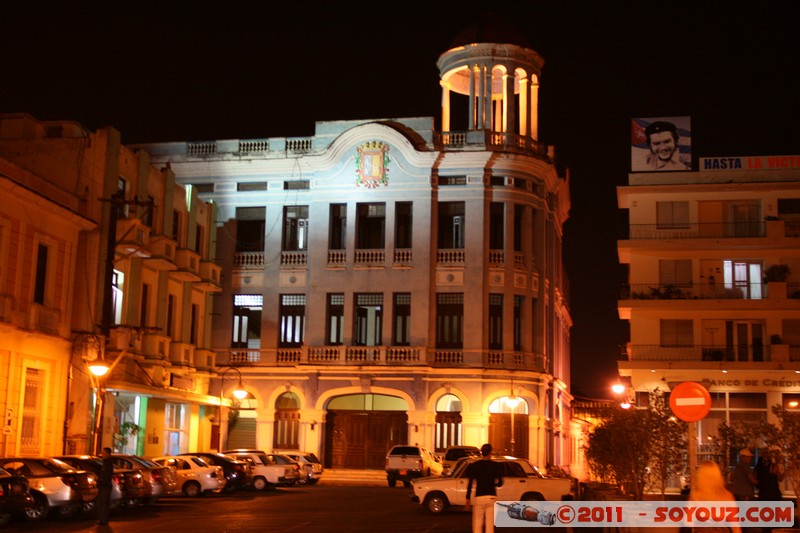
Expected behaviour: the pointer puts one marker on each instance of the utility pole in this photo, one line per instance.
(117, 201)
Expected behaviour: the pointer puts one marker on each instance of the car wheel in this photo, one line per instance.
(39, 510)
(260, 483)
(192, 489)
(391, 480)
(66, 511)
(436, 502)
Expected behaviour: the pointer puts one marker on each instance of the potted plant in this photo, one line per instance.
(775, 277)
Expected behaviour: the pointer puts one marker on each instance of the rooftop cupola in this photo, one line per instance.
(492, 65)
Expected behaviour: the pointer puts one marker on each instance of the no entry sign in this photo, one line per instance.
(690, 401)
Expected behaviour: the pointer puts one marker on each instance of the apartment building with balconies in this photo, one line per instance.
(104, 258)
(386, 282)
(713, 260)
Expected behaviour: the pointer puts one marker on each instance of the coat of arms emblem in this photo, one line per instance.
(372, 162)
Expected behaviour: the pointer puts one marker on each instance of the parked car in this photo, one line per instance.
(15, 496)
(195, 476)
(406, 462)
(521, 482)
(284, 460)
(54, 485)
(127, 486)
(266, 471)
(238, 473)
(159, 480)
(452, 454)
(310, 466)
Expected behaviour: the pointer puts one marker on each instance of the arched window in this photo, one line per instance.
(287, 422)
(448, 422)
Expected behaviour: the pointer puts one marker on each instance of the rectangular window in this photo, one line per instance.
(452, 225)
(199, 239)
(676, 333)
(449, 320)
(30, 432)
(368, 321)
(370, 226)
(519, 217)
(401, 332)
(292, 317)
(170, 315)
(121, 206)
(402, 225)
(193, 327)
(251, 186)
(335, 333)
(117, 293)
(296, 185)
(497, 232)
(495, 321)
(247, 310)
(143, 306)
(337, 227)
(250, 223)
(672, 215)
(519, 304)
(176, 224)
(295, 228)
(675, 272)
(147, 213)
(40, 283)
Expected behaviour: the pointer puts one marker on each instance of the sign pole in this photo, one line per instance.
(690, 402)
(692, 451)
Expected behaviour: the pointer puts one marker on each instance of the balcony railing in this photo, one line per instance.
(294, 259)
(699, 291)
(370, 257)
(381, 356)
(491, 140)
(450, 256)
(248, 260)
(733, 353)
(697, 230)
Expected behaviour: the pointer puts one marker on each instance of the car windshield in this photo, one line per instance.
(147, 463)
(311, 458)
(405, 450)
(54, 465)
(199, 461)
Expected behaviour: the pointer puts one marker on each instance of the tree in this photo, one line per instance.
(637, 448)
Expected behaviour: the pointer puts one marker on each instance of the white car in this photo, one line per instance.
(266, 472)
(195, 476)
(521, 482)
(310, 465)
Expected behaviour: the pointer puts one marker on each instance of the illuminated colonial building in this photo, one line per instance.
(707, 300)
(68, 196)
(387, 282)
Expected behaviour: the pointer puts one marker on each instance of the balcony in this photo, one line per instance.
(181, 354)
(188, 265)
(293, 260)
(403, 257)
(697, 230)
(210, 277)
(155, 347)
(162, 253)
(248, 260)
(133, 237)
(205, 360)
(489, 140)
(708, 291)
(370, 258)
(337, 258)
(44, 319)
(451, 256)
(393, 356)
(757, 353)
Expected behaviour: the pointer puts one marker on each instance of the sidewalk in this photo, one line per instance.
(332, 476)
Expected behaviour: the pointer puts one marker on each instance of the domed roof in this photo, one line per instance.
(491, 28)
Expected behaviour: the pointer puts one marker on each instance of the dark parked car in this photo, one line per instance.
(15, 497)
(238, 473)
(158, 480)
(127, 488)
(53, 485)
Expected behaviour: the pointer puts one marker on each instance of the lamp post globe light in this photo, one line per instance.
(240, 393)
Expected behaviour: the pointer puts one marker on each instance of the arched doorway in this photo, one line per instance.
(361, 428)
(286, 433)
(506, 437)
(448, 422)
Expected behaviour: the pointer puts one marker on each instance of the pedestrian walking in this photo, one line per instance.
(487, 475)
(743, 481)
(708, 485)
(104, 487)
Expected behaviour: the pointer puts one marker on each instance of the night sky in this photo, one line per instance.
(195, 71)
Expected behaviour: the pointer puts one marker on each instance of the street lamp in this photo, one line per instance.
(239, 393)
(619, 389)
(512, 402)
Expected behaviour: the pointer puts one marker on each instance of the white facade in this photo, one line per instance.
(385, 282)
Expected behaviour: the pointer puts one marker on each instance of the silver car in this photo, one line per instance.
(158, 480)
(310, 466)
(54, 485)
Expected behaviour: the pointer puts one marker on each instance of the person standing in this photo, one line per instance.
(769, 473)
(104, 487)
(487, 475)
(743, 481)
(708, 485)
